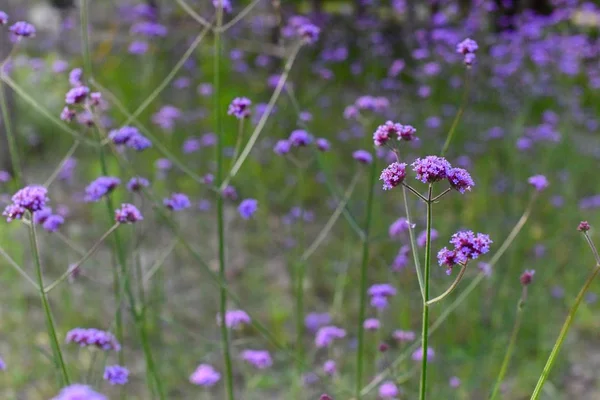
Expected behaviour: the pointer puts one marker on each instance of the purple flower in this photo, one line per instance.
(13, 211)
(454, 382)
(128, 214)
(138, 47)
(230, 193)
(137, 183)
(404, 336)
(467, 246)
(3, 18)
(93, 337)
(2, 365)
(22, 29)
(363, 156)
(417, 355)
(467, 46)
(327, 334)
(224, 4)
(177, 202)
(123, 135)
(539, 182)
(450, 258)
(398, 226)
(386, 131)
(67, 114)
(422, 237)
(205, 375)
(460, 180)
(31, 198)
(240, 108)
(163, 164)
(53, 223)
(527, 277)
(77, 95)
(329, 367)
(431, 169)
(100, 187)
(393, 175)
(314, 321)
(323, 144)
(116, 374)
(382, 289)
(235, 318)
(309, 33)
(149, 29)
(79, 392)
(300, 138)
(4, 176)
(388, 390)
(191, 145)
(247, 208)
(139, 142)
(371, 324)
(282, 147)
(260, 359)
(166, 117)
(76, 77)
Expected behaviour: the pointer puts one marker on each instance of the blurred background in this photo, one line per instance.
(529, 104)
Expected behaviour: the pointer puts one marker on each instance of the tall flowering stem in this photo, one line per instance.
(10, 136)
(459, 114)
(363, 281)
(300, 277)
(220, 209)
(511, 344)
(425, 327)
(58, 357)
(568, 322)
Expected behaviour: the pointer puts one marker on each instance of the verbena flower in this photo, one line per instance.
(240, 107)
(138, 47)
(139, 143)
(468, 48)
(382, 289)
(371, 324)
(388, 390)
(422, 237)
(32, 198)
(417, 355)
(13, 211)
(177, 202)
(363, 156)
(235, 318)
(68, 115)
(329, 367)
(431, 169)
(22, 29)
(225, 4)
(136, 184)
(149, 29)
(128, 214)
(247, 208)
(101, 187)
(323, 144)
(327, 334)
(314, 321)
(460, 180)
(539, 182)
(309, 33)
(123, 135)
(404, 336)
(584, 226)
(3, 18)
(2, 365)
(527, 277)
(300, 138)
(76, 77)
(53, 223)
(93, 337)
(230, 193)
(77, 95)
(205, 375)
(79, 392)
(398, 226)
(393, 175)
(467, 246)
(282, 147)
(260, 359)
(116, 374)
(454, 382)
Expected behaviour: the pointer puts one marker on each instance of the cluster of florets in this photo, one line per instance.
(376, 104)
(79, 100)
(393, 175)
(327, 334)
(235, 319)
(468, 48)
(93, 337)
(240, 108)
(116, 374)
(78, 391)
(301, 27)
(30, 198)
(205, 375)
(48, 220)
(380, 293)
(260, 359)
(101, 187)
(393, 130)
(299, 138)
(467, 246)
(131, 137)
(224, 4)
(128, 214)
(177, 202)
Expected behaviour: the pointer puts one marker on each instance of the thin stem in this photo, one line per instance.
(300, 277)
(511, 344)
(563, 334)
(193, 14)
(239, 17)
(10, 137)
(85, 42)
(439, 196)
(363, 281)
(58, 357)
(83, 259)
(419, 195)
(238, 143)
(220, 208)
(425, 327)
(413, 244)
(592, 247)
(17, 268)
(459, 114)
(60, 166)
(461, 273)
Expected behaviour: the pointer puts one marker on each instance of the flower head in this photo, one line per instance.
(539, 182)
(417, 355)
(431, 169)
(3, 18)
(22, 29)
(309, 33)
(76, 77)
(136, 184)
(247, 208)
(398, 226)
(32, 198)
(282, 147)
(584, 226)
(128, 214)
(314, 321)
(116, 374)
(235, 318)
(467, 246)
(77, 95)
(327, 334)
(393, 175)
(363, 156)
(467, 46)
(260, 359)
(371, 324)
(79, 392)
(240, 107)
(404, 336)
(93, 337)
(177, 202)
(102, 186)
(205, 375)
(388, 390)
(460, 179)
(527, 277)
(391, 130)
(53, 222)
(323, 144)
(300, 138)
(224, 4)
(329, 367)
(382, 289)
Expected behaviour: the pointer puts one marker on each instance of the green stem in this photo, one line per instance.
(461, 273)
(511, 344)
(85, 42)
(10, 137)
(300, 276)
(238, 143)
(58, 357)
(363, 282)
(220, 208)
(425, 327)
(413, 243)
(563, 334)
(459, 114)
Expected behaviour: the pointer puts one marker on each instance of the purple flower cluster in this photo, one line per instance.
(235, 318)
(49, 221)
(101, 187)
(468, 48)
(79, 392)
(3, 18)
(128, 214)
(247, 208)
(377, 104)
(177, 202)
(131, 137)
(363, 156)
(30, 198)
(224, 4)
(327, 334)
(116, 374)
(388, 390)
(539, 182)
(393, 130)
(260, 359)
(205, 375)
(136, 184)
(380, 293)
(240, 107)
(314, 321)
(393, 175)
(431, 169)
(22, 29)
(467, 246)
(166, 117)
(93, 337)
(398, 226)
(300, 138)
